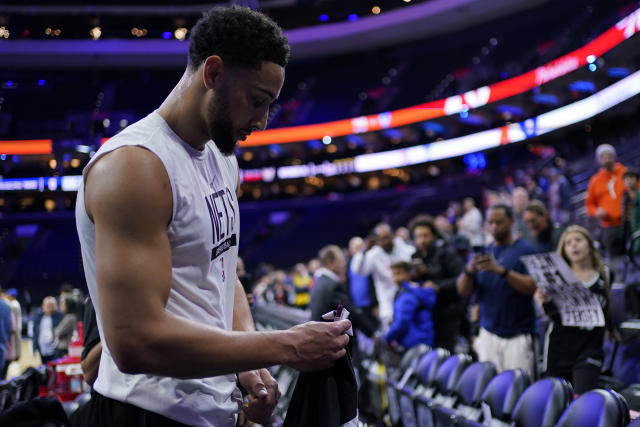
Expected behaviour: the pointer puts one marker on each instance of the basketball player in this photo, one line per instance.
(158, 220)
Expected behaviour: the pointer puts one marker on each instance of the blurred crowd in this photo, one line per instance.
(453, 280)
(456, 280)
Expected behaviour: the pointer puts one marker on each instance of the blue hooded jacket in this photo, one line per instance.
(412, 322)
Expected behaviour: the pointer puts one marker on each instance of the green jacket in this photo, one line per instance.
(631, 208)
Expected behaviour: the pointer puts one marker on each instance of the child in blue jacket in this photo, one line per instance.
(412, 322)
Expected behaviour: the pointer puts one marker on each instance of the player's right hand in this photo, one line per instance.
(316, 345)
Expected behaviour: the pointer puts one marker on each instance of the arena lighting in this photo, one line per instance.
(473, 143)
(26, 146)
(479, 97)
(95, 33)
(83, 149)
(180, 33)
(515, 132)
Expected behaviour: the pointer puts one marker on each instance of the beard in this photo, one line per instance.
(220, 124)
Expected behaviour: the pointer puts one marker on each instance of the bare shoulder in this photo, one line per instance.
(129, 181)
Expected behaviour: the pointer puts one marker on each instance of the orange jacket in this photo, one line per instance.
(605, 191)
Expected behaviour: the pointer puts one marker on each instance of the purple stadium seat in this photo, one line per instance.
(500, 397)
(445, 381)
(502, 392)
(542, 403)
(426, 374)
(467, 392)
(596, 408)
(405, 376)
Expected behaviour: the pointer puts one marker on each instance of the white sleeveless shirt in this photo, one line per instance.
(203, 234)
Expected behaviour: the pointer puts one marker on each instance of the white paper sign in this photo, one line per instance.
(576, 304)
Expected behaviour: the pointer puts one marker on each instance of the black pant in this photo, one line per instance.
(612, 241)
(584, 376)
(103, 411)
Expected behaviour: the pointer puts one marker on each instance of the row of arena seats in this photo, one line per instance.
(442, 390)
(430, 387)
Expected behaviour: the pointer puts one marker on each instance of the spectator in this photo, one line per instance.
(437, 266)
(571, 352)
(412, 320)
(559, 197)
(63, 332)
(604, 198)
(375, 258)
(532, 187)
(360, 286)
(403, 234)
(45, 322)
(504, 290)
(313, 265)
(16, 338)
(6, 327)
(631, 208)
(519, 201)
(301, 282)
(445, 229)
(330, 290)
(544, 235)
(66, 290)
(281, 288)
(470, 224)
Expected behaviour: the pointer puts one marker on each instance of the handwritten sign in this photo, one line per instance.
(577, 305)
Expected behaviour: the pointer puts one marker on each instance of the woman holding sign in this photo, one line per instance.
(571, 352)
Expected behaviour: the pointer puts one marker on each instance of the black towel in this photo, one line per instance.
(326, 398)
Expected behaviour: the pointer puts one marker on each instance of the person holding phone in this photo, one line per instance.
(437, 265)
(504, 293)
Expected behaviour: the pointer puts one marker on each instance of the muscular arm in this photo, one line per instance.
(128, 197)
(91, 363)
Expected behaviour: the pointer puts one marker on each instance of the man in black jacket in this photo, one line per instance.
(330, 290)
(437, 265)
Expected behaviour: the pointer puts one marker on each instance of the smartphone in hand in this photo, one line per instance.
(480, 250)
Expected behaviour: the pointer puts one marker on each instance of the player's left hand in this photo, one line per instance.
(263, 394)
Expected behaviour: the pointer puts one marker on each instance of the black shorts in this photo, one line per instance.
(103, 411)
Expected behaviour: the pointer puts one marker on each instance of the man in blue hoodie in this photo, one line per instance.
(412, 320)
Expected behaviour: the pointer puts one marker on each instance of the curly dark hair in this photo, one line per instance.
(240, 36)
(423, 220)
